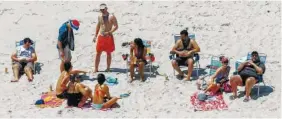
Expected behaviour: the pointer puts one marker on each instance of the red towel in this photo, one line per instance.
(216, 102)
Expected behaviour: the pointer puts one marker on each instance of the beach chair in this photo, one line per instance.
(262, 57)
(149, 58)
(20, 43)
(196, 56)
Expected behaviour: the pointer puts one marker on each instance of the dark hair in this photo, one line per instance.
(184, 32)
(67, 66)
(27, 40)
(139, 43)
(254, 53)
(101, 79)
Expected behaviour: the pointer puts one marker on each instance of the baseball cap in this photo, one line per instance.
(103, 6)
(74, 24)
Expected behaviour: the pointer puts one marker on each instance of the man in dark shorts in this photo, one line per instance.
(249, 73)
(184, 49)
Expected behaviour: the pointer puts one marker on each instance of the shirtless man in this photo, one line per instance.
(184, 49)
(107, 24)
(61, 88)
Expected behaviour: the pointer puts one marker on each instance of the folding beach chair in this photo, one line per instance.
(262, 57)
(149, 59)
(20, 43)
(196, 56)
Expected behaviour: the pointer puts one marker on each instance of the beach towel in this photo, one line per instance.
(105, 43)
(111, 81)
(214, 102)
(49, 99)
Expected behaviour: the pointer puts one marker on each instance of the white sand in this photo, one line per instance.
(230, 28)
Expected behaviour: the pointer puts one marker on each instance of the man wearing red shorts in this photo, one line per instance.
(107, 24)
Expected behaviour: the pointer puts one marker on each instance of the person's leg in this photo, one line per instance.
(109, 60)
(87, 93)
(190, 63)
(250, 82)
(62, 66)
(110, 102)
(16, 70)
(97, 61)
(141, 70)
(28, 71)
(234, 82)
(131, 69)
(176, 67)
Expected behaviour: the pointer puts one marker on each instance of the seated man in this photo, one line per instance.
(23, 59)
(249, 72)
(61, 88)
(184, 50)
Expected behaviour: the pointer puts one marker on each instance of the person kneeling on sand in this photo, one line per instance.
(249, 72)
(219, 77)
(138, 52)
(77, 93)
(23, 59)
(61, 88)
(102, 98)
(184, 50)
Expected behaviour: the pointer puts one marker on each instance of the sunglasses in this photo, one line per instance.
(102, 9)
(254, 55)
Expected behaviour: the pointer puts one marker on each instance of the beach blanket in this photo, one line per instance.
(214, 102)
(50, 99)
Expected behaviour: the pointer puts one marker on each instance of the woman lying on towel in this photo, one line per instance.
(219, 77)
(102, 98)
(137, 57)
(77, 93)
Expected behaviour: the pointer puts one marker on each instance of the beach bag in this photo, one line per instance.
(226, 87)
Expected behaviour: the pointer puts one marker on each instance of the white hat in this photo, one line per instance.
(103, 6)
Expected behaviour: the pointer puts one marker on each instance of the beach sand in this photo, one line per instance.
(228, 28)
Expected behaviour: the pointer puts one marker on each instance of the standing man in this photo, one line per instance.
(107, 24)
(66, 41)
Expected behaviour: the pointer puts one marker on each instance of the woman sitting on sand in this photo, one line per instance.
(102, 94)
(77, 93)
(137, 56)
(219, 77)
(64, 78)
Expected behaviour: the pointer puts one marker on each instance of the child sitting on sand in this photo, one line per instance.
(102, 97)
(219, 77)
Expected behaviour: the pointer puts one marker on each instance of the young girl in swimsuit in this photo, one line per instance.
(138, 52)
(219, 77)
(77, 93)
(101, 93)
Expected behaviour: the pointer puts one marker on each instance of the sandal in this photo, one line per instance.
(246, 99)
(232, 97)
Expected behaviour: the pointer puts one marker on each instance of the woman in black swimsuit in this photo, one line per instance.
(137, 57)
(77, 93)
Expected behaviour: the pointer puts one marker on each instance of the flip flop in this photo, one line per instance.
(125, 95)
(232, 97)
(246, 100)
(14, 80)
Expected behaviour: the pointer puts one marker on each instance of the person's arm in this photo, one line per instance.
(14, 57)
(115, 24)
(33, 56)
(108, 92)
(174, 48)
(65, 82)
(215, 74)
(97, 28)
(76, 71)
(258, 69)
(241, 66)
(195, 46)
(131, 55)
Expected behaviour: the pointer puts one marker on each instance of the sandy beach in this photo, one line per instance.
(222, 28)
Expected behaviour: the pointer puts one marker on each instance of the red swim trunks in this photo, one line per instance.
(105, 43)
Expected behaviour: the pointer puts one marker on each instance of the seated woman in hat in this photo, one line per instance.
(219, 77)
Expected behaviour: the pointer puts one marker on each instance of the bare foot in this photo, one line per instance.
(15, 80)
(30, 80)
(130, 80)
